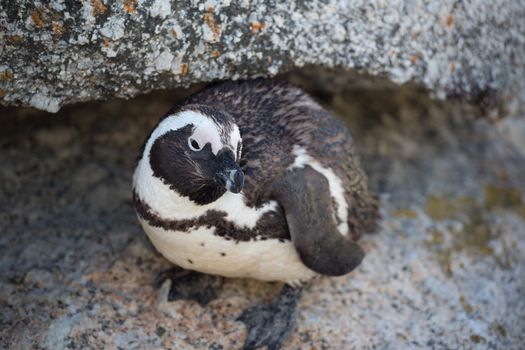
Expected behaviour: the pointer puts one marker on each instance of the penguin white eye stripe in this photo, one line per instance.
(204, 130)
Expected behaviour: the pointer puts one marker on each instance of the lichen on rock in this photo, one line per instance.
(64, 52)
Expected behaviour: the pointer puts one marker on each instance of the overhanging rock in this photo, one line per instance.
(55, 53)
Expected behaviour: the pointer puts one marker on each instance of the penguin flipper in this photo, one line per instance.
(305, 197)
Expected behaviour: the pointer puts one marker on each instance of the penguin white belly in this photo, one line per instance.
(201, 250)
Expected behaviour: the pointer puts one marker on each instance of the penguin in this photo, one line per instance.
(253, 179)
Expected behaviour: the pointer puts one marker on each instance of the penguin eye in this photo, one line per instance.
(194, 145)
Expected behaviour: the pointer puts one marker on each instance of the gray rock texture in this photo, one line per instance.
(59, 52)
(445, 271)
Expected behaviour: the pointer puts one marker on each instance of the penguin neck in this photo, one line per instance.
(170, 205)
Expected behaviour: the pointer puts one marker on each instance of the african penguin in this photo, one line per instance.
(254, 179)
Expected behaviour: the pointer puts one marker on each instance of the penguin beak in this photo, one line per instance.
(229, 172)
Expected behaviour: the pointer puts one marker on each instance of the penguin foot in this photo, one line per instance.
(189, 285)
(271, 324)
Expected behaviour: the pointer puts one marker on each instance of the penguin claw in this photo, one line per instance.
(263, 329)
(189, 285)
(271, 324)
(171, 274)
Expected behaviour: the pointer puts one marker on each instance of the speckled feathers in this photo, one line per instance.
(274, 117)
(304, 201)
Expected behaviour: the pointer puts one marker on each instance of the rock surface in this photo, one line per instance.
(59, 52)
(446, 270)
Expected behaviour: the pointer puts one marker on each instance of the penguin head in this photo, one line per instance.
(195, 151)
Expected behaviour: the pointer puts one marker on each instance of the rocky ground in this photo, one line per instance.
(446, 270)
